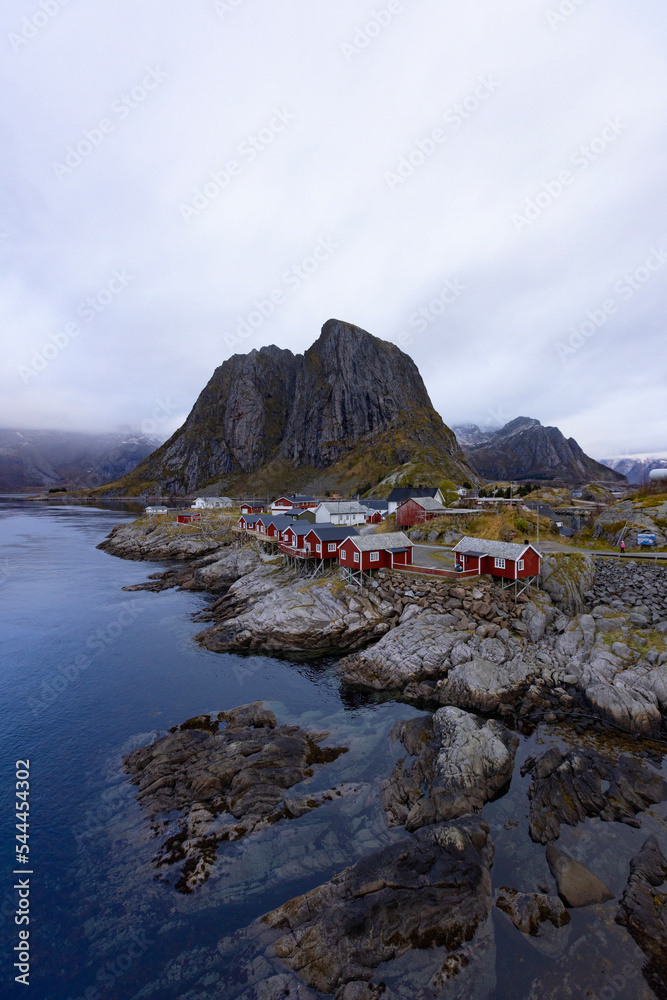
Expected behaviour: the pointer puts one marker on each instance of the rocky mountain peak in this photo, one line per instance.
(312, 410)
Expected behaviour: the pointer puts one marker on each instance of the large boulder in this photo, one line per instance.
(459, 762)
(416, 650)
(430, 891)
(567, 577)
(483, 686)
(569, 786)
(577, 886)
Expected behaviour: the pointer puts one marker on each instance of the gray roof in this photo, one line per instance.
(331, 532)
(489, 547)
(343, 507)
(391, 540)
(401, 493)
(428, 503)
(302, 528)
(376, 504)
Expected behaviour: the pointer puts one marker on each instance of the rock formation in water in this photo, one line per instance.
(228, 777)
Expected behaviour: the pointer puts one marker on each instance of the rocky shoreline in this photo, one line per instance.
(413, 919)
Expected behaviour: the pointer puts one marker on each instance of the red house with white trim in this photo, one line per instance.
(369, 552)
(248, 522)
(324, 540)
(508, 560)
(253, 507)
(285, 505)
(294, 537)
(271, 525)
(417, 510)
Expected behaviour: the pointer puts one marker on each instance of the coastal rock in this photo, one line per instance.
(576, 885)
(570, 785)
(226, 568)
(567, 577)
(416, 650)
(213, 572)
(643, 907)
(528, 911)
(483, 686)
(155, 539)
(225, 782)
(273, 611)
(430, 891)
(459, 763)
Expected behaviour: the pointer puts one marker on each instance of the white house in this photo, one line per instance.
(212, 503)
(156, 510)
(341, 512)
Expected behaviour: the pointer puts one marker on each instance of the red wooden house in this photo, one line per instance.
(271, 525)
(323, 540)
(417, 510)
(188, 516)
(373, 517)
(507, 560)
(294, 537)
(284, 505)
(248, 522)
(253, 507)
(369, 552)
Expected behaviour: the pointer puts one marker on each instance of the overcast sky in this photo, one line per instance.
(479, 181)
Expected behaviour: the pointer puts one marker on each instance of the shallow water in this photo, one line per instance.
(100, 920)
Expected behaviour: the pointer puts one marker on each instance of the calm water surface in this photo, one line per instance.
(89, 672)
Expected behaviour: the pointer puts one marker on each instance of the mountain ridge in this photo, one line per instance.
(526, 449)
(37, 459)
(349, 411)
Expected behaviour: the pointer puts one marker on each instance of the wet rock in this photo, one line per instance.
(459, 763)
(213, 572)
(528, 911)
(432, 890)
(643, 908)
(576, 885)
(273, 611)
(225, 782)
(570, 785)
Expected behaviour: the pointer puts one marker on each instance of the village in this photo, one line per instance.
(318, 535)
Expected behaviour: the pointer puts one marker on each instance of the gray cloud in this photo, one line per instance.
(174, 168)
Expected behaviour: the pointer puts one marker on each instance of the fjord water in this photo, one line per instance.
(89, 672)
